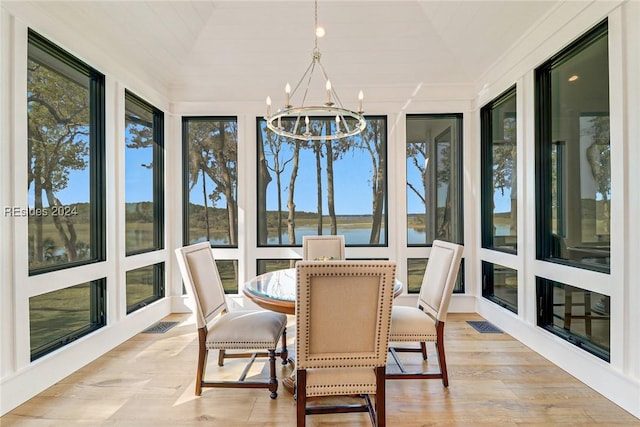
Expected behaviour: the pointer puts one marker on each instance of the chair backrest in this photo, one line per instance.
(440, 278)
(343, 313)
(325, 246)
(202, 280)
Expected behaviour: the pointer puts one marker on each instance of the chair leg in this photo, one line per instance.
(301, 397)
(221, 354)
(273, 380)
(284, 354)
(202, 360)
(441, 357)
(380, 397)
(423, 347)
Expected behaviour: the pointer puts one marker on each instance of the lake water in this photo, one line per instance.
(353, 236)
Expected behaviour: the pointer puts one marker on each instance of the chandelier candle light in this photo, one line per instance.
(347, 122)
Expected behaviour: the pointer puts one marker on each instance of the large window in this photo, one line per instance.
(323, 187)
(144, 176)
(210, 153)
(499, 173)
(60, 317)
(65, 108)
(434, 178)
(573, 154)
(211, 180)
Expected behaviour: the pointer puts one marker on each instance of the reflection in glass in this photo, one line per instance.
(581, 317)
(322, 187)
(434, 187)
(211, 180)
(500, 218)
(500, 285)
(576, 180)
(143, 176)
(59, 317)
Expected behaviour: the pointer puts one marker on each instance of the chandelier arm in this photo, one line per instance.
(307, 71)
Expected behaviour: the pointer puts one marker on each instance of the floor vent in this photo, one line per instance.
(160, 327)
(484, 327)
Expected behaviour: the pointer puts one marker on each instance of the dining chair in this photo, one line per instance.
(323, 247)
(222, 329)
(424, 322)
(343, 316)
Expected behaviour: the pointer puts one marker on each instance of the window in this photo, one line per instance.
(144, 176)
(576, 315)
(434, 178)
(323, 187)
(415, 273)
(144, 285)
(573, 155)
(499, 173)
(500, 285)
(60, 317)
(210, 152)
(65, 108)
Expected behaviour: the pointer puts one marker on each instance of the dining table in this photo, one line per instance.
(276, 291)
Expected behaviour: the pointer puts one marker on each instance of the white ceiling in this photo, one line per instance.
(245, 50)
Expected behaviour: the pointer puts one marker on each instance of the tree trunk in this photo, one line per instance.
(291, 221)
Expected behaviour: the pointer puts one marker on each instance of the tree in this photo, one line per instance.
(58, 142)
(372, 142)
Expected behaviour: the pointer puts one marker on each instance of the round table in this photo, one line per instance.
(276, 291)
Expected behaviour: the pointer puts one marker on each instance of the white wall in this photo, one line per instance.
(619, 381)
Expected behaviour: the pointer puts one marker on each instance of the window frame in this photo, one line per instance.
(486, 172)
(459, 123)
(158, 173)
(97, 153)
(543, 161)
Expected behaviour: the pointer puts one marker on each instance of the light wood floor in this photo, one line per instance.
(149, 381)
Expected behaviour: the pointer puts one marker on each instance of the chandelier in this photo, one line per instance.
(293, 121)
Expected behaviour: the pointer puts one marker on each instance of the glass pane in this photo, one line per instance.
(269, 265)
(141, 209)
(582, 317)
(228, 270)
(211, 155)
(59, 180)
(144, 285)
(501, 149)
(415, 274)
(580, 157)
(434, 188)
(322, 187)
(500, 285)
(57, 318)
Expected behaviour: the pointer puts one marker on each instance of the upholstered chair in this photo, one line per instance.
(325, 247)
(425, 322)
(343, 315)
(222, 329)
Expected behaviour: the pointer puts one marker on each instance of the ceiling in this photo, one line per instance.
(245, 50)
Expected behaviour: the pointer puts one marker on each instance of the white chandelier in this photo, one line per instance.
(347, 122)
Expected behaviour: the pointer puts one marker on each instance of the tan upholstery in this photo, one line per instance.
(220, 329)
(425, 322)
(323, 247)
(343, 316)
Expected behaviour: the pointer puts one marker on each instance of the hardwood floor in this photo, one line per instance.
(149, 381)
